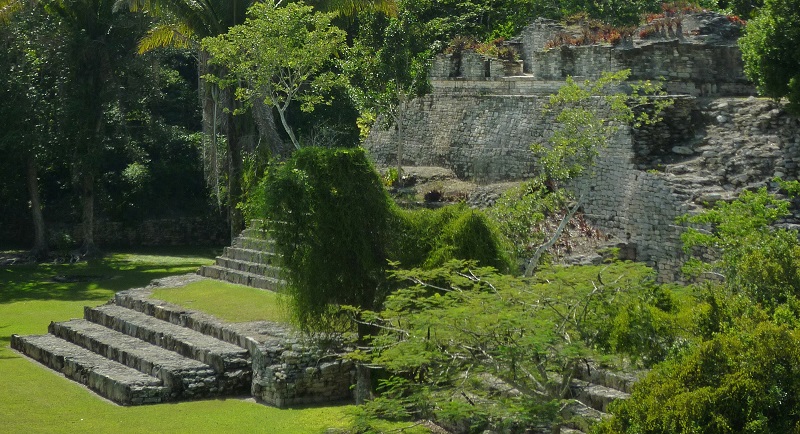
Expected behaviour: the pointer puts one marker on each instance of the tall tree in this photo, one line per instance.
(29, 59)
(184, 23)
(98, 38)
(277, 57)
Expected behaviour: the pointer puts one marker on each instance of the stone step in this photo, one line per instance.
(197, 321)
(256, 233)
(249, 267)
(186, 378)
(250, 255)
(115, 381)
(241, 277)
(255, 244)
(225, 358)
(594, 395)
(622, 381)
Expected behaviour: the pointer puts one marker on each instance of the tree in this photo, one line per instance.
(465, 342)
(751, 257)
(738, 382)
(740, 375)
(587, 117)
(769, 51)
(278, 56)
(99, 39)
(29, 59)
(183, 24)
(387, 67)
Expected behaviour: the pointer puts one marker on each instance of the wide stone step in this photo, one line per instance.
(257, 233)
(596, 396)
(113, 380)
(250, 255)
(255, 244)
(197, 321)
(249, 267)
(186, 378)
(241, 277)
(227, 359)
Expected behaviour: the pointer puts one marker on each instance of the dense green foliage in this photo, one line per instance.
(430, 238)
(738, 382)
(769, 51)
(453, 338)
(144, 161)
(740, 375)
(753, 258)
(338, 230)
(333, 228)
(277, 57)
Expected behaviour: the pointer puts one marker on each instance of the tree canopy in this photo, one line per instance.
(769, 50)
(277, 56)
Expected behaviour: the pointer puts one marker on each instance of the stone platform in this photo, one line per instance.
(138, 350)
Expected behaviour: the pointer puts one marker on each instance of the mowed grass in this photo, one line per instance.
(33, 399)
(226, 301)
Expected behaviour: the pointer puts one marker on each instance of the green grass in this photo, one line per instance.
(36, 400)
(229, 302)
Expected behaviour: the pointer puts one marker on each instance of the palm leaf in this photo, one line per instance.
(351, 8)
(167, 35)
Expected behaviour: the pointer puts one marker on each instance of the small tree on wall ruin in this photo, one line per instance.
(588, 116)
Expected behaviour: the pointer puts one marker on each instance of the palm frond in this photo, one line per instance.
(351, 8)
(167, 35)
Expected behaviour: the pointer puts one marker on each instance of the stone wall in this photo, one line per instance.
(288, 373)
(479, 137)
(706, 149)
(701, 58)
(185, 231)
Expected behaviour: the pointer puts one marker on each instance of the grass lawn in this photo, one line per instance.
(36, 400)
(229, 302)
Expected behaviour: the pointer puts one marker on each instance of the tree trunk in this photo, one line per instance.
(39, 249)
(288, 128)
(363, 390)
(234, 176)
(87, 196)
(401, 135)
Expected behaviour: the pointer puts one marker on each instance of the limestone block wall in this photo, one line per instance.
(694, 69)
(480, 137)
(288, 373)
(704, 150)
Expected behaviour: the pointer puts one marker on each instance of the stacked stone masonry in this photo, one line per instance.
(715, 141)
(251, 260)
(138, 350)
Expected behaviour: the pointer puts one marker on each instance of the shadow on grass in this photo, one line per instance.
(96, 279)
(6, 353)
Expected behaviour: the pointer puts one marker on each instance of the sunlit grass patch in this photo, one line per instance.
(226, 301)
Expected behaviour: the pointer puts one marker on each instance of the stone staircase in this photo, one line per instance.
(123, 352)
(251, 260)
(593, 389)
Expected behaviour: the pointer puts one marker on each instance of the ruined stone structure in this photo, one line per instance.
(716, 140)
(138, 350)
